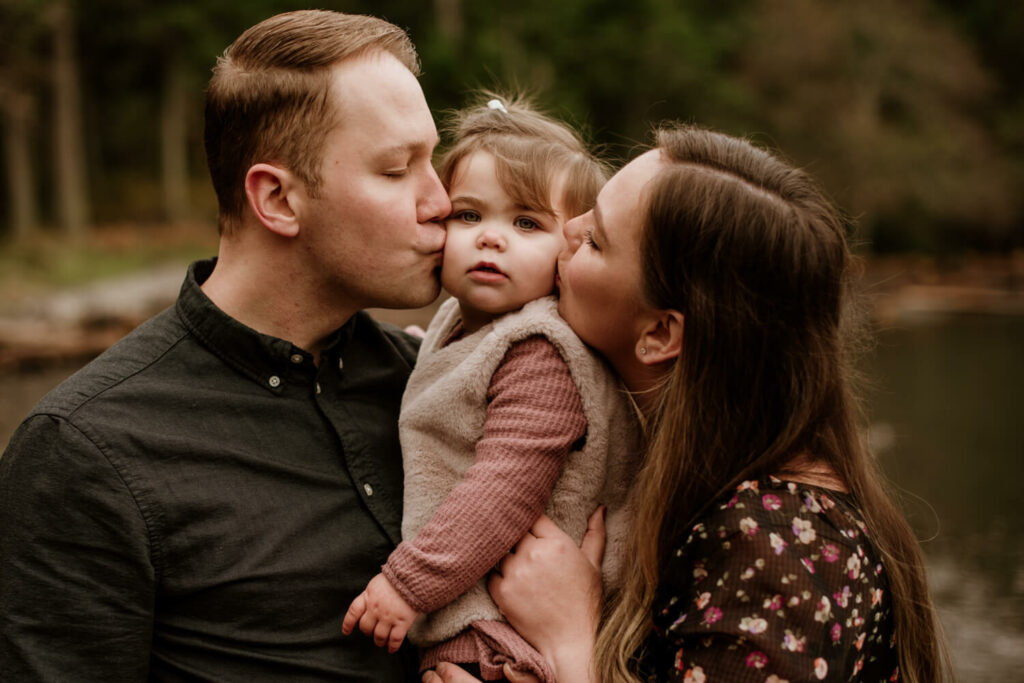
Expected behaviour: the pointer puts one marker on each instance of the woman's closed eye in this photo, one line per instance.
(588, 238)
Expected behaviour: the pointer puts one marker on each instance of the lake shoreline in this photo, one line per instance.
(74, 325)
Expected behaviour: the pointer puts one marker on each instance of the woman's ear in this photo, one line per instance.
(271, 191)
(662, 339)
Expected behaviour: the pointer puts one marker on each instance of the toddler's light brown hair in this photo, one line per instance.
(531, 151)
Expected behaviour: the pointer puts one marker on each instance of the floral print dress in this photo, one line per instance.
(780, 583)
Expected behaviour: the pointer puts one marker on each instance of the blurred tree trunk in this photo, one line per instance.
(69, 155)
(174, 142)
(17, 109)
(449, 18)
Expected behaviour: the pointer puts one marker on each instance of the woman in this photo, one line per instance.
(713, 277)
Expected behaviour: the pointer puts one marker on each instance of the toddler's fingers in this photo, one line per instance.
(381, 633)
(368, 623)
(398, 632)
(355, 612)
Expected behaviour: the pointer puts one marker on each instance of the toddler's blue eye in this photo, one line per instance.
(468, 216)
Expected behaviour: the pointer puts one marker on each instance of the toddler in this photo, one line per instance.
(507, 414)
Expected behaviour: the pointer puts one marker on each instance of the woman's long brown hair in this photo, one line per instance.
(756, 259)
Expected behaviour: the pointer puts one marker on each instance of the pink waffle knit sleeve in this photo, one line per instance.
(534, 416)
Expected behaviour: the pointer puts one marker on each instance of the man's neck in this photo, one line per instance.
(262, 290)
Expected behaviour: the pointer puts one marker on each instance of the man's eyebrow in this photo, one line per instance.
(408, 147)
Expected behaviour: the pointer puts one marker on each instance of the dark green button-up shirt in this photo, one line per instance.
(202, 502)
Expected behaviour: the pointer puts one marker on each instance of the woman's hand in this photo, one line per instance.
(450, 673)
(550, 591)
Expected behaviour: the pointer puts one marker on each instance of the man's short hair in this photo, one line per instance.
(269, 99)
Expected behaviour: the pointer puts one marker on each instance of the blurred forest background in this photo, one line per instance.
(910, 113)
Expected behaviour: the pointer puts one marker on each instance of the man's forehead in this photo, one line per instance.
(377, 97)
(375, 78)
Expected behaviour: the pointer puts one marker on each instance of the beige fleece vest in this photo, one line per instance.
(443, 412)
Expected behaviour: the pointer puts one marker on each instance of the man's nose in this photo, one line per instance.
(434, 204)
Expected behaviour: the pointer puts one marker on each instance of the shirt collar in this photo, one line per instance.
(259, 356)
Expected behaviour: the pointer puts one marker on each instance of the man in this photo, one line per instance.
(203, 501)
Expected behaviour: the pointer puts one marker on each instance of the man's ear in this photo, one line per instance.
(272, 194)
(662, 338)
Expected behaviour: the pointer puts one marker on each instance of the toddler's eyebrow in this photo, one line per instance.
(535, 209)
(466, 199)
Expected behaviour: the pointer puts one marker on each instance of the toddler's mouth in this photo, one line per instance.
(485, 267)
(487, 273)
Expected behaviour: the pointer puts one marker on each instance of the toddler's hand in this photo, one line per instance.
(381, 612)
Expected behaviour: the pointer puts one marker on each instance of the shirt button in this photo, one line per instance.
(318, 387)
(341, 364)
(368, 489)
(296, 358)
(274, 381)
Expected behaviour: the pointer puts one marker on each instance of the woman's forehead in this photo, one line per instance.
(635, 175)
(619, 201)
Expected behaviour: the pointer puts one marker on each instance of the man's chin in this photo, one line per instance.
(419, 298)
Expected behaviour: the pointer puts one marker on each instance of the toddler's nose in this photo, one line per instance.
(491, 239)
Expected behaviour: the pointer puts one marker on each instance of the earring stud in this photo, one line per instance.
(643, 350)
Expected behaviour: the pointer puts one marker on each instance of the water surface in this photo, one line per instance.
(947, 415)
(947, 424)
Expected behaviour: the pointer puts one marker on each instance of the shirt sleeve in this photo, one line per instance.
(756, 604)
(76, 585)
(534, 416)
